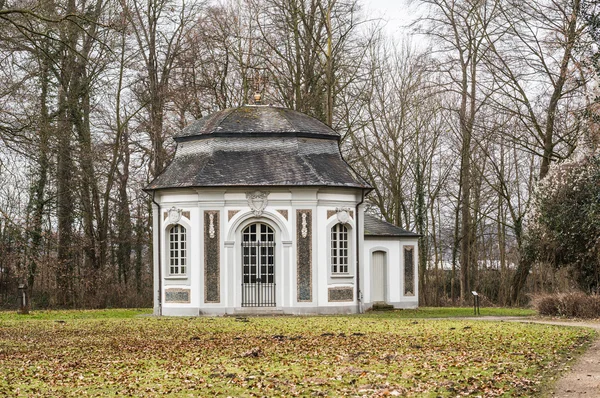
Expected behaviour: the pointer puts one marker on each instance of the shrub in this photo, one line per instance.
(564, 224)
(576, 305)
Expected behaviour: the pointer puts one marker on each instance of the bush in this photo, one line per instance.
(576, 305)
(563, 229)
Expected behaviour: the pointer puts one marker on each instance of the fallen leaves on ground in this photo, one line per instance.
(280, 356)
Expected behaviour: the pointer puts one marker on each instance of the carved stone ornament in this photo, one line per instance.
(211, 226)
(304, 230)
(257, 201)
(174, 215)
(343, 214)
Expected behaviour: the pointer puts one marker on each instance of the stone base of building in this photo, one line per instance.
(274, 311)
(258, 311)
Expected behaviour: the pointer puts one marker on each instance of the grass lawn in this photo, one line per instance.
(452, 312)
(94, 353)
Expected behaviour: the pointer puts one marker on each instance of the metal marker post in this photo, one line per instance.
(23, 300)
(475, 302)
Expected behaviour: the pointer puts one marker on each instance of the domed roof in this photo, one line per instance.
(257, 146)
(257, 120)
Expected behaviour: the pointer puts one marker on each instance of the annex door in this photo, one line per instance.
(378, 276)
(258, 266)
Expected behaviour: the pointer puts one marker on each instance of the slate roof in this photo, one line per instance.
(376, 227)
(257, 146)
(257, 120)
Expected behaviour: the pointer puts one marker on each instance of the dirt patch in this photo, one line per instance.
(583, 378)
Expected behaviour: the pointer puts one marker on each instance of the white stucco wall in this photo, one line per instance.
(322, 202)
(318, 200)
(394, 288)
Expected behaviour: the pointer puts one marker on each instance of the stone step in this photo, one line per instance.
(382, 307)
(257, 311)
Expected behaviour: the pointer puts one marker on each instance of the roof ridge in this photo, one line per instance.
(287, 119)
(229, 112)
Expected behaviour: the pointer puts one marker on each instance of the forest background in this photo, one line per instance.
(456, 124)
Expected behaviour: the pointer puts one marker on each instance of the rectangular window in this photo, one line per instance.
(409, 271)
(177, 250)
(339, 249)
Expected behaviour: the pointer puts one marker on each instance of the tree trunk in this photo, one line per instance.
(36, 206)
(557, 93)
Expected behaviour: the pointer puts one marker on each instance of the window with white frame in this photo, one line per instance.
(177, 250)
(339, 249)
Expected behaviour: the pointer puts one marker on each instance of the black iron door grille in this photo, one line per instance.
(258, 266)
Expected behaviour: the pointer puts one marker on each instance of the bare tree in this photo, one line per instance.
(159, 27)
(536, 81)
(535, 66)
(461, 29)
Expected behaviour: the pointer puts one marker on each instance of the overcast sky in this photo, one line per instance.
(397, 13)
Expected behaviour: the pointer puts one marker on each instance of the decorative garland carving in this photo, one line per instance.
(304, 230)
(211, 227)
(212, 263)
(303, 221)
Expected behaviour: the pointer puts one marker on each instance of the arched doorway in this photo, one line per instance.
(258, 266)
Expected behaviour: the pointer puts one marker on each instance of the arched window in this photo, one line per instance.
(177, 250)
(339, 249)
